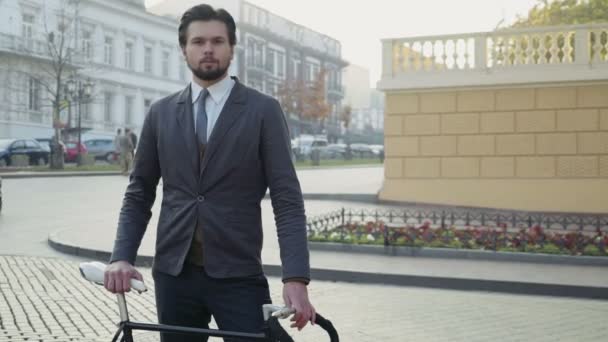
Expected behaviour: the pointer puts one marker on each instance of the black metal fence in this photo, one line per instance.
(481, 229)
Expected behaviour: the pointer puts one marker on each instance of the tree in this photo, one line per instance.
(57, 58)
(308, 102)
(565, 12)
(346, 115)
(315, 107)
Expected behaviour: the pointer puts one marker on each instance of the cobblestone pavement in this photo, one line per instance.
(45, 299)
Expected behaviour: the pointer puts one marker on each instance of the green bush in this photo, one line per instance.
(592, 250)
(551, 248)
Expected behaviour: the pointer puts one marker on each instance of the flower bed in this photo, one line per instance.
(501, 238)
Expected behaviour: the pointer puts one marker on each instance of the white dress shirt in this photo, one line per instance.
(218, 94)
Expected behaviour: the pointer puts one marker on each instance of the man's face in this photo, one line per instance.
(208, 51)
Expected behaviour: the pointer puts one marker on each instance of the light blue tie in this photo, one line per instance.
(201, 118)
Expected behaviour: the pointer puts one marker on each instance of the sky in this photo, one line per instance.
(360, 25)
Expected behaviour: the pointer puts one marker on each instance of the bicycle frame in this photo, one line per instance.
(126, 328)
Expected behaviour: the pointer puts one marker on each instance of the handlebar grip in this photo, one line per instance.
(328, 327)
(277, 333)
(138, 285)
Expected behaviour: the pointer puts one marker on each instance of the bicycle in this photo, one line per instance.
(272, 330)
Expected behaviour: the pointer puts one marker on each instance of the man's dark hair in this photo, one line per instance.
(205, 12)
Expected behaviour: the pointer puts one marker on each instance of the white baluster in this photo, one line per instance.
(554, 49)
(416, 56)
(456, 55)
(518, 60)
(597, 47)
(529, 50)
(542, 49)
(398, 58)
(567, 49)
(429, 62)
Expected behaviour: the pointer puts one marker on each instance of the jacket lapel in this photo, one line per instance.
(234, 107)
(185, 122)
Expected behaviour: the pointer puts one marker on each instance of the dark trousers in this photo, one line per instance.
(191, 298)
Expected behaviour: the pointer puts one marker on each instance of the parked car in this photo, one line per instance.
(101, 149)
(361, 150)
(303, 145)
(377, 150)
(336, 151)
(36, 154)
(46, 143)
(71, 151)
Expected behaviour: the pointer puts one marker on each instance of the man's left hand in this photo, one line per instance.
(295, 295)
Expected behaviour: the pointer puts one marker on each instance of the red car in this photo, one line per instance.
(71, 151)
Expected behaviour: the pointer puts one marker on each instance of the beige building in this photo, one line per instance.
(516, 126)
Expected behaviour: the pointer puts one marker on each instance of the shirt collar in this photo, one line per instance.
(216, 91)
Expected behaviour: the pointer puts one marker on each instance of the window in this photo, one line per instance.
(27, 30)
(31, 144)
(107, 107)
(280, 64)
(18, 145)
(270, 61)
(108, 50)
(33, 94)
(251, 52)
(27, 26)
(259, 55)
(129, 55)
(296, 69)
(129, 110)
(308, 72)
(148, 59)
(87, 45)
(165, 63)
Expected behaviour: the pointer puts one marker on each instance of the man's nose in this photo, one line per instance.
(207, 47)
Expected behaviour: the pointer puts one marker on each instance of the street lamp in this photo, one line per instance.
(80, 91)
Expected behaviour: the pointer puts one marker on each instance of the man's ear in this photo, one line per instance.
(183, 48)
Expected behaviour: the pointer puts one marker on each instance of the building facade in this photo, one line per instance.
(514, 119)
(272, 50)
(131, 57)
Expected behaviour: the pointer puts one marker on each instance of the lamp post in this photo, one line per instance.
(79, 91)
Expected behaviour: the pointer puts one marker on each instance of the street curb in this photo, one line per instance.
(50, 174)
(447, 253)
(447, 283)
(58, 174)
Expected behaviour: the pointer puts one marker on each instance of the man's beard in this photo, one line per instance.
(209, 75)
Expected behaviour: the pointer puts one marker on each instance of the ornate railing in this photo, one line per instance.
(459, 228)
(579, 45)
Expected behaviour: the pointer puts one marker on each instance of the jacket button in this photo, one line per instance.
(200, 198)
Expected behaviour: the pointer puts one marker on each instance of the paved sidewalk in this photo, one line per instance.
(95, 240)
(45, 299)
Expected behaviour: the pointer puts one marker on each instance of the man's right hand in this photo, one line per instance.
(117, 277)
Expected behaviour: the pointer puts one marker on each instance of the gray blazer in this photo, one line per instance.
(248, 151)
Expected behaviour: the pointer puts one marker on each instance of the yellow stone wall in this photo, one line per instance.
(530, 148)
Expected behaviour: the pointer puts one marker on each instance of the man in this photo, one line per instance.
(133, 138)
(126, 152)
(218, 145)
(117, 143)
